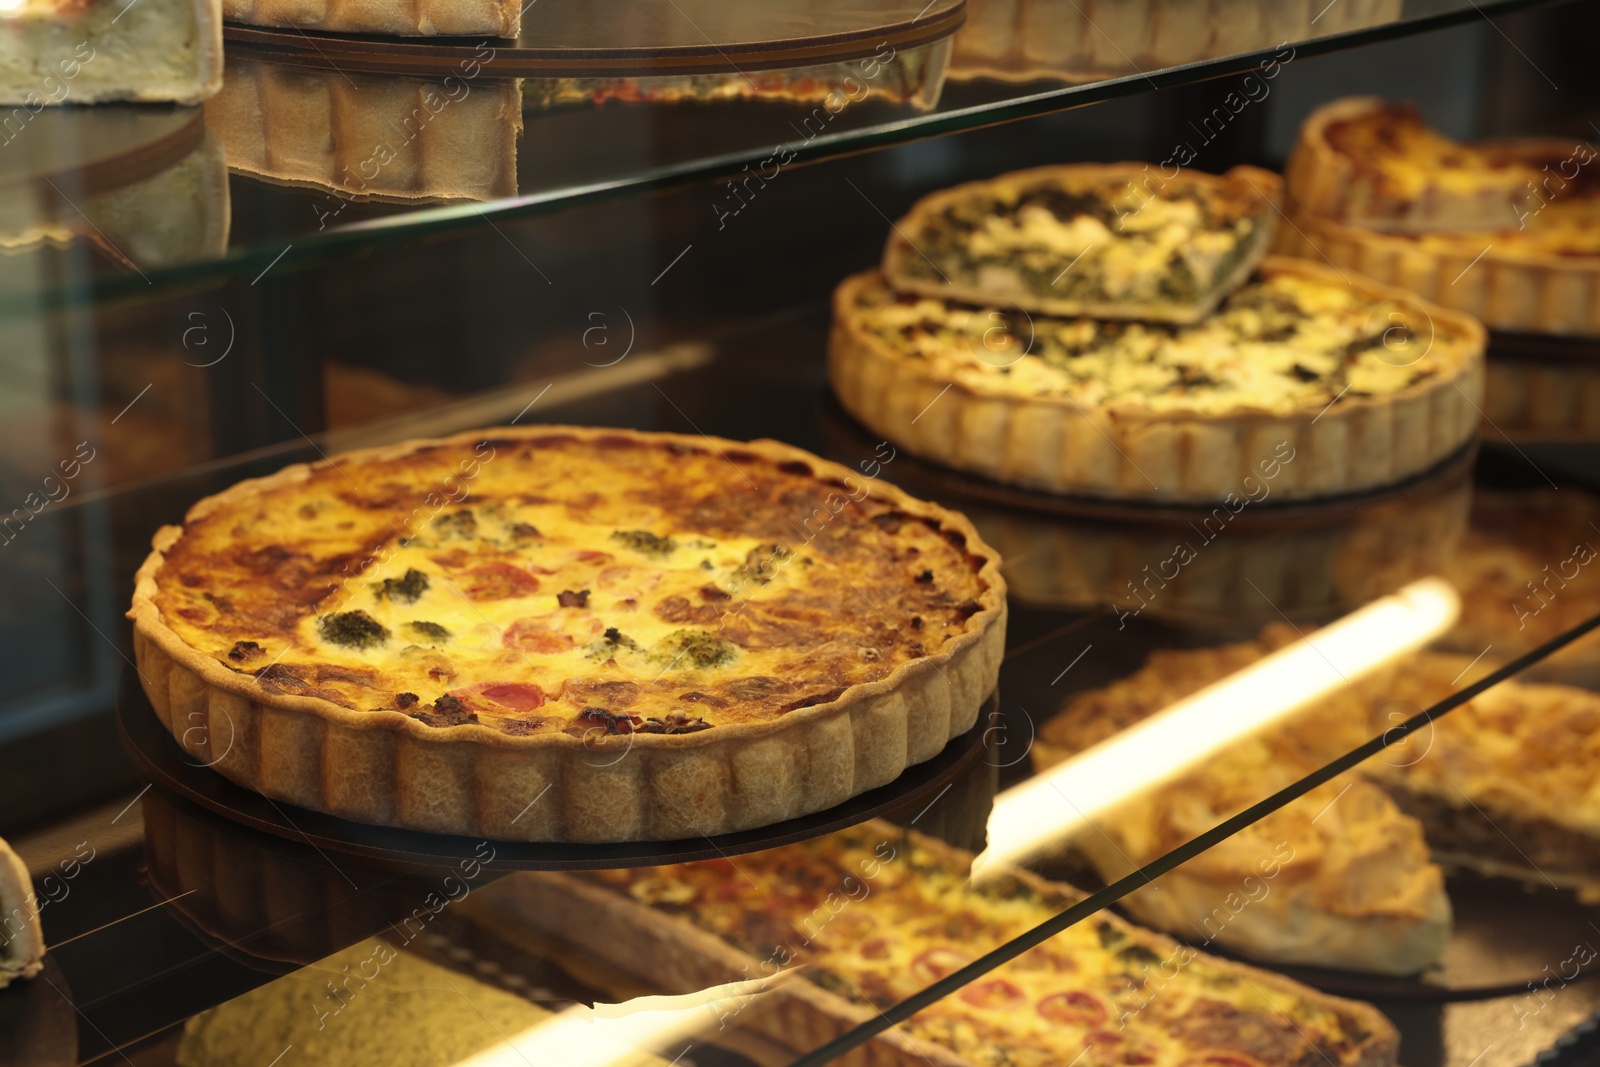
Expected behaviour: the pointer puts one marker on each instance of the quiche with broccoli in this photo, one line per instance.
(568, 634)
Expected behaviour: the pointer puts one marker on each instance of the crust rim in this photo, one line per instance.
(868, 375)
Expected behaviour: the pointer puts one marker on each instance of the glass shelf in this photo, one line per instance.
(411, 156)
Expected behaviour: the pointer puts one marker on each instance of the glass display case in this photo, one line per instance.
(1257, 742)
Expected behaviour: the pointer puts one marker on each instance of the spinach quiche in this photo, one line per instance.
(21, 939)
(88, 51)
(1503, 785)
(1305, 382)
(1121, 240)
(872, 915)
(1506, 230)
(573, 634)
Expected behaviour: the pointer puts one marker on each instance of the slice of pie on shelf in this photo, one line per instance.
(1375, 163)
(1338, 878)
(1506, 230)
(21, 939)
(1504, 785)
(1123, 240)
(86, 51)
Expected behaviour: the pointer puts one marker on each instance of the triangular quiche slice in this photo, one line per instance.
(1116, 240)
(1504, 784)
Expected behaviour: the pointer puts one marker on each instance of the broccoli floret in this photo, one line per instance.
(430, 631)
(462, 523)
(696, 648)
(644, 542)
(405, 590)
(762, 563)
(609, 644)
(354, 629)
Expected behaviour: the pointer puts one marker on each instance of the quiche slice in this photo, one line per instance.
(1340, 877)
(21, 939)
(1374, 163)
(1305, 382)
(1123, 240)
(88, 51)
(1504, 785)
(867, 917)
(1506, 230)
(554, 633)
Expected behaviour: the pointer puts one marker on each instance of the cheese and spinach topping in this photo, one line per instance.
(1284, 342)
(876, 917)
(557, 584)
(1113, 241)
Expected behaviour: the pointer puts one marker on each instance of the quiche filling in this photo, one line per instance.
(1281, 343)
(875, 920)
(1500, 193)
(1111, 241)
(552, 584)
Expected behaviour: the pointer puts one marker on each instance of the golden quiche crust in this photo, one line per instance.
(566, 634)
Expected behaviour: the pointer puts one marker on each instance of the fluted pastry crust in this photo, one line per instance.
(1128, 450)
(392, 768)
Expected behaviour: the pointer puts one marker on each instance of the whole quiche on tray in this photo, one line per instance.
(562, 634)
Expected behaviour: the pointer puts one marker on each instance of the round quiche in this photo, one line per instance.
(1305, 382)
(563, 634)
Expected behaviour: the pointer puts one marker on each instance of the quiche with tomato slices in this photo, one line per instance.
(867, 917)
(568, 634)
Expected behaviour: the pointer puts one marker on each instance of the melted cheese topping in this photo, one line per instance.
(1283, 343)
(880, 919)
(1113, 240)
(558, 584)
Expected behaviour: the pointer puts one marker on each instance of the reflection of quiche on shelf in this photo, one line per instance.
(425, 18)
(1117, 240)
(1359, 890)
(88, 51)
(911, 76)
(674, 636)
(179, 214)
(872, 915)
(21, 942)
(1506, 230)
(1528, 570)
(368, 136)
(1318, 383)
